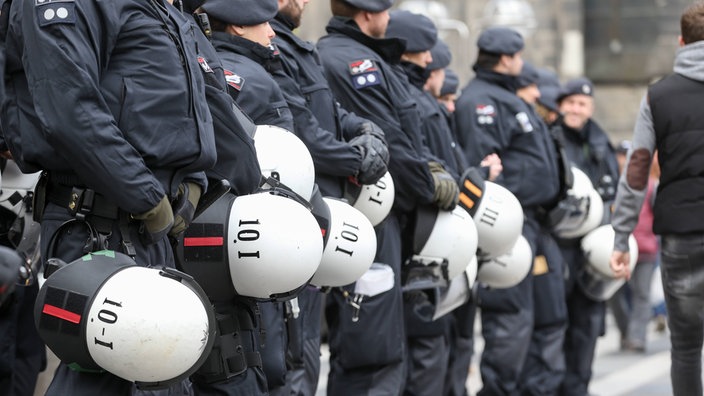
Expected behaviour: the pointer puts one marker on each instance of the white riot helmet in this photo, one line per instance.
(444, 243)
(509, 269)
(350, 247)
(596, 277)
(496, 212)
(150, 326)
(261, 245)
(16, 187)
(581, 211)
(284, 157)
(458, 292)
(373, 200)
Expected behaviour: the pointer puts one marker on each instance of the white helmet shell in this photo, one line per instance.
(15, 186)
(472, 271)
(149, 326)
(274, 245)
(124, 346)
(499, 221)
(284, 157)
(373, 200)
(509, 269)
(596, 277)
(453, 237)
(576, 223)
(593, 219)
(350, 248)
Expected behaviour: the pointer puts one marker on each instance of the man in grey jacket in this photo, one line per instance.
(671, 121)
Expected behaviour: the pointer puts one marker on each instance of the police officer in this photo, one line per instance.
(423, 63)
(522, 330)
(237, 164)
(343, 145)
(588, 148)
(360, 66)
(460, 331)
(549, 87)
(90, 118)
(461, 327)
(449, 91)
(236, 157)
(22, 352)
(242, 36)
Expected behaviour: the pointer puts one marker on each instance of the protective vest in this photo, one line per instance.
(679, 132)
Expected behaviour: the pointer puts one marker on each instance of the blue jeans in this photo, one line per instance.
(683, 283)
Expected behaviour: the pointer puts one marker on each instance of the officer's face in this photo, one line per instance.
(448, 101)
(577, 110)
(529, 94)
(434, 83)
(515, 64)
(378, 22)
(293, 9)
(421, 59)
(260, 34)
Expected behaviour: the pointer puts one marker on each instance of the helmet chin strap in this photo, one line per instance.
(274, 186)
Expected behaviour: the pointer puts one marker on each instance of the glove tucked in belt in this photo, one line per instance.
(157, 221)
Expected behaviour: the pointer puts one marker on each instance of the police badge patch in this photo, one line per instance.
(50, 12)
(204, 65)
(364, 73)
(524, 121)
(234, 80)
(485, 114)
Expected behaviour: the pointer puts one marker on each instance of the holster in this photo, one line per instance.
(232, 352)
(39, 197)
(83, 204)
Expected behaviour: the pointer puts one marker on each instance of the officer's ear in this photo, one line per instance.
(236, 30)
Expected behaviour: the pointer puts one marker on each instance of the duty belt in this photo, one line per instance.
(82, 201)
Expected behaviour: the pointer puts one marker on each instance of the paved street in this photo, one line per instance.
(615, 373)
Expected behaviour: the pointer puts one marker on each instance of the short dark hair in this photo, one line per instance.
(343, 9)
(487, 60)
(217, 25)
(692, 23)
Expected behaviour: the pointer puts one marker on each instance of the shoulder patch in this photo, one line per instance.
(204, 64)
(364, 73)
(485, 114)
(234, 80)
(524, 121)
(50, 12)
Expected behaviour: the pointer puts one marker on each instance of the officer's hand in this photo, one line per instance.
(185, 206)
(157, 221)
(493, 162)
(375, 157)
(620, 264)
(447, 192)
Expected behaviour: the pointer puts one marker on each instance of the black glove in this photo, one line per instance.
(370, 128)
(185, 206)
(375, 157)
(156, 222)
(447, 192)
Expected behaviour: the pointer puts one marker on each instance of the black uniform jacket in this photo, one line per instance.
(360, 71)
